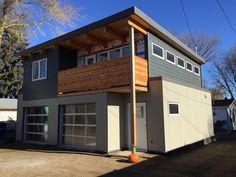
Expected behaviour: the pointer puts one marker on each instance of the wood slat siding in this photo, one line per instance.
(103, 75)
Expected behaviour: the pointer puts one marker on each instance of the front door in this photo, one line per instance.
(141, 126)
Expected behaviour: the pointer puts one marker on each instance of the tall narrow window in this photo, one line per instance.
(39, 70)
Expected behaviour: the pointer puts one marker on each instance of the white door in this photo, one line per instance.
(141, 126)
(90, 59)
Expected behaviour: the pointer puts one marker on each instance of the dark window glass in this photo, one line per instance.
(90, 61)
(114, 54)
(180, 62)
(170, 57)
(102, 56)
(173, 108)
(189, 67)
(157, 50)
(125, 51)
(196, 70)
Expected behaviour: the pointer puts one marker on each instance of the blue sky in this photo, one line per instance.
(204, 17)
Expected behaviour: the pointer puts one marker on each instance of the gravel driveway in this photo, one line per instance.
(217, 159)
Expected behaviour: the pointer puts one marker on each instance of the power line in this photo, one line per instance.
(186, 19)
(227, 18)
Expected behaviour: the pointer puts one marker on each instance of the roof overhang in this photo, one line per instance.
(133, 14)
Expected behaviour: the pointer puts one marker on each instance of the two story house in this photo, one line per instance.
(76, 90)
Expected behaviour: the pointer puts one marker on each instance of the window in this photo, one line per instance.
(79, 125)
(80, 61)
(196, 70)
(39, 70)
(189, 67)
(125, 51)
(157, 51)
(170, 57)
(173, 108)
(36, 127)
(102, 56)
(114, 54)
(180, 62)
(90, 59)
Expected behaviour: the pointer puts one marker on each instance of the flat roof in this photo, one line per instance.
(133, 11)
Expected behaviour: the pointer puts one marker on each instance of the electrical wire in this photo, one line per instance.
(225, 15)
(186, 19)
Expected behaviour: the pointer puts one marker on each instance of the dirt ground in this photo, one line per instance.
(217, 159)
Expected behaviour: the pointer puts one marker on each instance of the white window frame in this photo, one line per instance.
(156, 54)
(198, 74)
(174, 63)
(191, 71)
(171, 114)
(39, 78)
(183, 67)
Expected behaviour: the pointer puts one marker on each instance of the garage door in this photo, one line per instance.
(79, 126)
(36, 124)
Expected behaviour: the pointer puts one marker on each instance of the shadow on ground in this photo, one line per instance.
(44, 148)
(218, 159)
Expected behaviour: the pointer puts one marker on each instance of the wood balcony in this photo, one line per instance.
(105, 76)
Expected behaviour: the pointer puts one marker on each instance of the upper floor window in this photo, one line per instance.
(157, 51)
(39, 69)
(180, 62)
(196, 70)
(125, 51)
(189, 67)
(102, 56)
(170, 57)
(114, 54)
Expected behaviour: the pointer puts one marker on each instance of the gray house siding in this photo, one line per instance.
(160, 67)
(41, 89)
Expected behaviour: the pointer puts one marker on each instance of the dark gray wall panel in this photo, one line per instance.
(160, 67)
(41, 89)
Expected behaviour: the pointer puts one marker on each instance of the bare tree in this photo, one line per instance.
(224, 72)
(18, 15)
(205, 45)
(217, 93)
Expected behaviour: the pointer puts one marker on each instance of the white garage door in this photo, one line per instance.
(79, 126)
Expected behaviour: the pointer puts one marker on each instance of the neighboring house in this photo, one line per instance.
(221, 115)
(76, 88)
(8, 109)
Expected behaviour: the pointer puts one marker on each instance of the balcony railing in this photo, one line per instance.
(109, 75)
